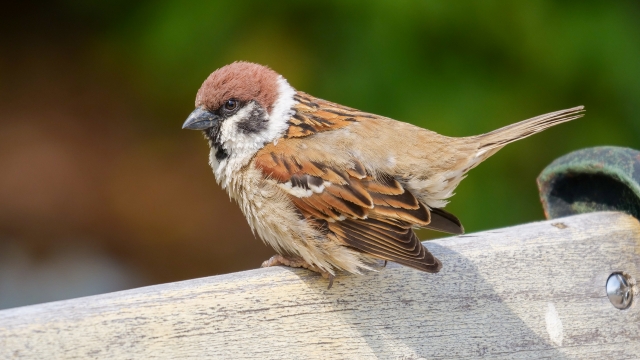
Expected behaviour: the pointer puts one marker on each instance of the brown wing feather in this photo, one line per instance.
(384, 185)
(405, 200)
(404, 247)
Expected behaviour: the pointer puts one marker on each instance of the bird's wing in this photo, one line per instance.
(370, 212)
(373, 215)
(315, 115)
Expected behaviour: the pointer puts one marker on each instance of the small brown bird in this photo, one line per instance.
(330, 187)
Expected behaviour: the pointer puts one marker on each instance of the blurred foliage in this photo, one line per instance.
(459, 68)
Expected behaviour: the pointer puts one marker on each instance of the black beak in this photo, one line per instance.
(200, 119)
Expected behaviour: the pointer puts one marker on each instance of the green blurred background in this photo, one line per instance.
(100, 190)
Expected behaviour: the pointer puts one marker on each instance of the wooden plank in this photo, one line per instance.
(533, 291)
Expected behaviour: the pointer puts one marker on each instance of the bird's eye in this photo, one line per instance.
(231, 105)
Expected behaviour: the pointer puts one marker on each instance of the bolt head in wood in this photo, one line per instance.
(619, 291)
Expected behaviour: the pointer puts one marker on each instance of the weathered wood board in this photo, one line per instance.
(533, 291)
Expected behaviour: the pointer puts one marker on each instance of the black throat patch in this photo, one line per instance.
(213, 134)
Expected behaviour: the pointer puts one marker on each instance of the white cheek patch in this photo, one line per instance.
(240, 145)
(230, 137)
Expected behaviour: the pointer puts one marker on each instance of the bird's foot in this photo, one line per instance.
(296, 262)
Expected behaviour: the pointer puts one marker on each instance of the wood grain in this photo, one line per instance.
(533, 291)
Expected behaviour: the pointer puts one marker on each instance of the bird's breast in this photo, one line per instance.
(268, 209)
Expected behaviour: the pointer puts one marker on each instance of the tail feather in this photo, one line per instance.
(475, 149)
(495, 140)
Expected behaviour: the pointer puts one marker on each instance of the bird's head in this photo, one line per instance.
(240, 108)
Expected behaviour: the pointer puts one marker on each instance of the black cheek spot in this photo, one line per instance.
(213, 134)
(255, 122)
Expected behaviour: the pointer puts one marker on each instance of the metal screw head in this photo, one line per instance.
(619, 291)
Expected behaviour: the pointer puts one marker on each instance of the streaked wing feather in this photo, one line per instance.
(418, 217)
(351, 192)
(413, 254)
(405, 200)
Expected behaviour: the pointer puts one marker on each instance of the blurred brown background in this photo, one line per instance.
(100, 190)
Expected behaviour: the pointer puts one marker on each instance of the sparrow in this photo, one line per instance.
(329, 187)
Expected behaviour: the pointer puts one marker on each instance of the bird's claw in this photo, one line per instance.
(296, 262)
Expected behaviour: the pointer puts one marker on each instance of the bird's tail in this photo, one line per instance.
(493, 141)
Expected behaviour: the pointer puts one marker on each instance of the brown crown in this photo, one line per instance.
(240, 80)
